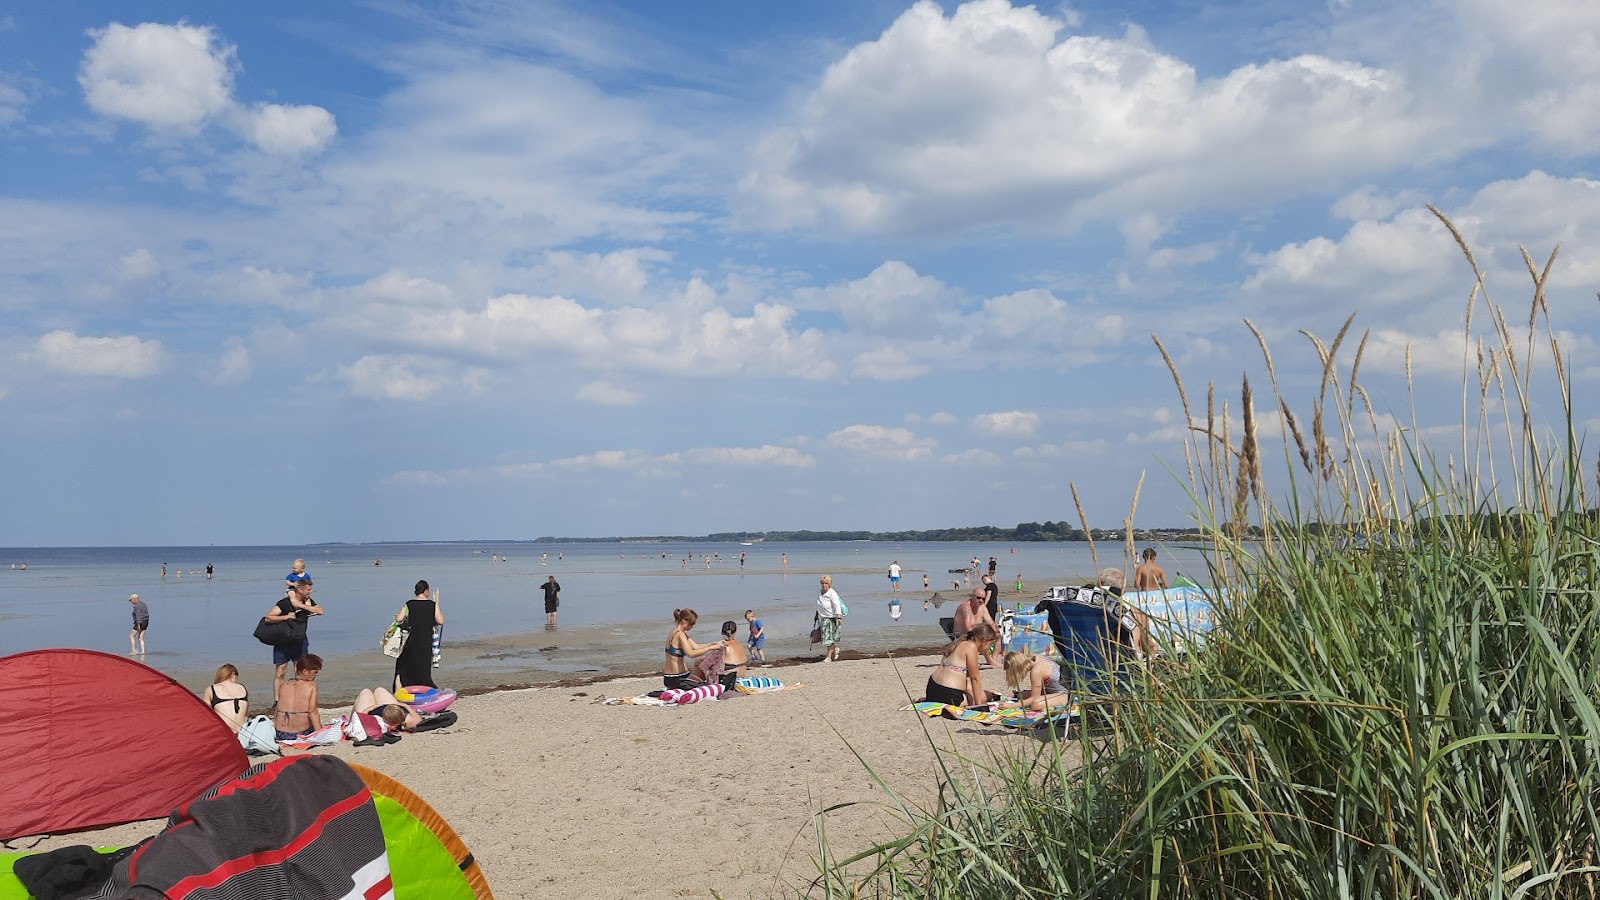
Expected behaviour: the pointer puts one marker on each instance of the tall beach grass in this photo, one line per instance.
(1400, 699)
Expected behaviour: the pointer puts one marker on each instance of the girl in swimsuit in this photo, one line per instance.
(297, 714)
(680, 647)
(228, 698)
(957, 680)
(1037, 681)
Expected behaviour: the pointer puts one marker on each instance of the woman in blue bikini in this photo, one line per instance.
(680, 649)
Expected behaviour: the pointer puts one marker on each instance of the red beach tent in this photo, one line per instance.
(91, 739)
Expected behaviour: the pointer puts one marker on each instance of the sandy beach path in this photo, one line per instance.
(562, 797)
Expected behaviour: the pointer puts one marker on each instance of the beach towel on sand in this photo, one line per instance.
(1010, 718)
(750, 684)
(763, 684)
(327, 735)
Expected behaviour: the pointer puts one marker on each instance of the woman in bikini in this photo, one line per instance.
(297, 714)
(735, 658)
(957, 680)
(1037, 681)
(228, 698)
(381, 703)
(680, 648)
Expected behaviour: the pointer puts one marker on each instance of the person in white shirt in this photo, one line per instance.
(830, 610)
(894, 575)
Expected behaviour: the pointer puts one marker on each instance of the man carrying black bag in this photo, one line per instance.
(297, 604)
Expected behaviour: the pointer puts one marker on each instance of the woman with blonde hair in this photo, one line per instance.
(680, 649)
(228, 698)
(830, 618)
(1037, 681)
(957, 680)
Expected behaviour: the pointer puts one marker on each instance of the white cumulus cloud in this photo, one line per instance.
(1011, 423)
(407, 377)
(121, 357)
(179, 78)
(882, 442)
(986, 115)
(290, 130)
(165, 76)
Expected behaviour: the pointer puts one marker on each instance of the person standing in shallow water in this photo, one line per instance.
(830, 610)
(141, 624)
(552, 600)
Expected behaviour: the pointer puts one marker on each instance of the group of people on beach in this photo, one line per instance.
(723, 661)
(1035, 681)
(295, 701)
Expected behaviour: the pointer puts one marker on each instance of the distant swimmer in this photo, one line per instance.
(209, 570)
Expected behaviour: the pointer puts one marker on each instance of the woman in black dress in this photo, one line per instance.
(415, 663)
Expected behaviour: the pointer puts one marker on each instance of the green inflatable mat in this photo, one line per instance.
(10, 887)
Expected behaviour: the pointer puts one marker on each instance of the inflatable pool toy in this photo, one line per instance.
(426, 699)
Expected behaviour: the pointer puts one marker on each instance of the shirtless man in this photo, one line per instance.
(1149, 576)
(969, 614)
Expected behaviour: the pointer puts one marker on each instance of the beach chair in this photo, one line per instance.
(1091, 644)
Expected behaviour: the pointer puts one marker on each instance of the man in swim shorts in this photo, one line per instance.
(894, 575)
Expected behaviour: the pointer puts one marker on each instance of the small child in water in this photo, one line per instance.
(758, 637)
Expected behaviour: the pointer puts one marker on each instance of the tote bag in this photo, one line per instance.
(394, 640)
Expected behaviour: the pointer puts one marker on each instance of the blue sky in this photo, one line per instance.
(390, 271)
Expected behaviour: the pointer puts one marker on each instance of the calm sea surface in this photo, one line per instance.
(616, 598)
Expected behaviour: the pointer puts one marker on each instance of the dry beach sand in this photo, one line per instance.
(560, 796)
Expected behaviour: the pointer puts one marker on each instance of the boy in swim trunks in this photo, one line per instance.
(758, 637)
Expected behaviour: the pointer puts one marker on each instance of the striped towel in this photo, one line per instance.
(763, 684)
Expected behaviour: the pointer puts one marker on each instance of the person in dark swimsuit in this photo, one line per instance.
(228, 698)
(414, 667)
(680, 647)
(957, 680)
(297, 714)
(381, 703)
(735, 658)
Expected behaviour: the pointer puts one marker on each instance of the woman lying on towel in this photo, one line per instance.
(680, 649)
(957, 681)
(297, 714)
(727, 662)
(379, 702)
(1036, 680)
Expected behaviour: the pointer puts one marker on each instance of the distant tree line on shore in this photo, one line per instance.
(1024, 532)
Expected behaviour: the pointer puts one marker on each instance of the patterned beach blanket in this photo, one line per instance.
(1010, 718)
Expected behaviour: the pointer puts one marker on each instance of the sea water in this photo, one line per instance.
(616, 598)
